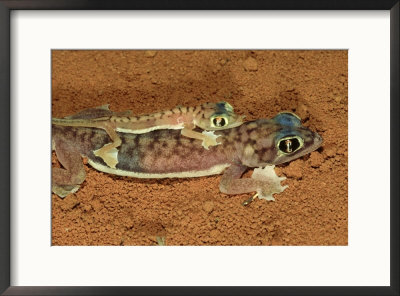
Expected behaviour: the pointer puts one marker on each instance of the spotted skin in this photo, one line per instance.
(208, 117)
(166, 154)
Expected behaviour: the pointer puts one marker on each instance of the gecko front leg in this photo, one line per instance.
(268, 176)
(208, 137)
(264, 181)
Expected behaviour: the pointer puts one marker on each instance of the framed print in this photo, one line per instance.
(199, 151)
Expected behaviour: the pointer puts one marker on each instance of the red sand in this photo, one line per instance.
(112, 210)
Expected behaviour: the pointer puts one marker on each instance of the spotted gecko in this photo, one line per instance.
(209, 117)
(258, 144)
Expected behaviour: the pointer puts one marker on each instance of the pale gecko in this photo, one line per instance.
(258, 144)
(209, 117)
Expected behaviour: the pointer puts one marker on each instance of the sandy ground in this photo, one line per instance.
(112, 210)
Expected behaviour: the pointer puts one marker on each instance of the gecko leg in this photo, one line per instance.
(268, 175)
(208, 137)
(264, 181)
(109, 152)
(67, 180)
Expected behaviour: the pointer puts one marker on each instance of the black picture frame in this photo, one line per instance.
(7, 6)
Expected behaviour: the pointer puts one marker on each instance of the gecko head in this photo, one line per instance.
(281, 139)
(219, 116)
(292, 144)
(292, 140)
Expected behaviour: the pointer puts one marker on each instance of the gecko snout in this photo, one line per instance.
(317, 140)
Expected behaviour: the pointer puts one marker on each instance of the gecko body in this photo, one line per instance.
(209, 117)
(166, 154)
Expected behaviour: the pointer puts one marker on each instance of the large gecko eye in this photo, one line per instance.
(290, 144)
(219, 121)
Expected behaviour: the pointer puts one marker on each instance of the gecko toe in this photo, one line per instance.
(109, 156)
(64, 190)
(271, 183)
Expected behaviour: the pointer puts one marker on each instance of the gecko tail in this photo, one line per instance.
(91, 113)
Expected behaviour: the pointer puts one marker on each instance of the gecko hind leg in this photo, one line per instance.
(67, 180)
(109, 152)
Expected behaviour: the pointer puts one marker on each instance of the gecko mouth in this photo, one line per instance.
(318, 140)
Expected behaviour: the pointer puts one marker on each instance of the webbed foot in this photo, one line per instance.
(110, 156)
(210, 139)
(271, 180)
(63, 190)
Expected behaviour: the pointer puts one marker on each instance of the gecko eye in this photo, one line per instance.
(290, 144)
(219, 121)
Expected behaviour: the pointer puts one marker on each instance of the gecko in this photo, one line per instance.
(209, 117)
(259, 144)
